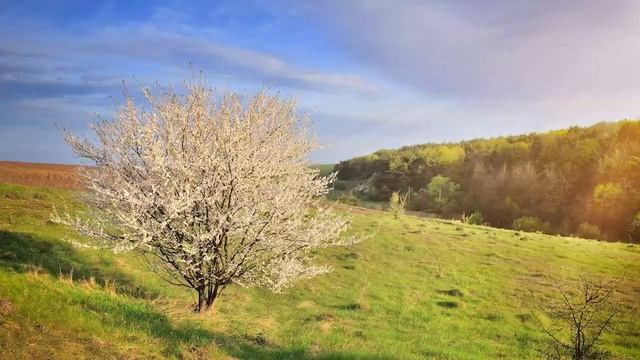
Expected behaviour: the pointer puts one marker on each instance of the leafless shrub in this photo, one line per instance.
(578, 317)
(397, 204)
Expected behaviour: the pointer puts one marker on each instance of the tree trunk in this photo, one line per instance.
(201, 300)
(212, 294)
(207, 295)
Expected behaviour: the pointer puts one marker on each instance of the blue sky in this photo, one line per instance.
(372, 74)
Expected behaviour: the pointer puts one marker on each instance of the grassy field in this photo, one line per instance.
(418, 288)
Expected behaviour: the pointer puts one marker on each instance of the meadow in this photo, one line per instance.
(417, 288)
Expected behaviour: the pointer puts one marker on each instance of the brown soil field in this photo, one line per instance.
(40, 174)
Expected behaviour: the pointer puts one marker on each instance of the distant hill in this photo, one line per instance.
(65, 176)
(580, 180)
(40, 174)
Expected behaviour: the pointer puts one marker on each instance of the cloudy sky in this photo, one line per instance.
(372, 74)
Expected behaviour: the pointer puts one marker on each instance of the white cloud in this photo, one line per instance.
(496, 48)
(171, 45)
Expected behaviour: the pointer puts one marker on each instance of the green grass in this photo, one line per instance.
(418, 288)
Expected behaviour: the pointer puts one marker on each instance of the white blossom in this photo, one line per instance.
(216, 188)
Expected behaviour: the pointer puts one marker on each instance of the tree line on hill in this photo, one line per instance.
(581, 181)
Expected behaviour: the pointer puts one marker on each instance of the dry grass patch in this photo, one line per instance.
(39, 174)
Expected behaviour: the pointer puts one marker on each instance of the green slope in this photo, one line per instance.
(418, 288)
(325, 169)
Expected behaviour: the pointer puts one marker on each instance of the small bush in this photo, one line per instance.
(588, 231)
(397, 204)
(349, 199)
(531, 224)
(579, 317)
(474, 219)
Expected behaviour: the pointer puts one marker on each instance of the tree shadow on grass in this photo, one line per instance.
(242, 348)
(140, 317)
(189, 336)
(22, 251)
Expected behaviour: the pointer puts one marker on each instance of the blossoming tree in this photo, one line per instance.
(213, 189)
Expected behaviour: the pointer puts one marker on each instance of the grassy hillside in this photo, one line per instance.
(417, 288)
(325, 169)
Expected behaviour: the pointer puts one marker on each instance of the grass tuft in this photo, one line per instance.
(449, 304)
(452, 292)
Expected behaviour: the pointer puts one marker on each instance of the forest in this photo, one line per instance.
(579, 181)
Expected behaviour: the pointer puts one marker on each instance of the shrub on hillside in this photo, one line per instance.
(349, 199)
(588, 231)
(397, 204)
(474, 219)
(579, 317)
(531, 224)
